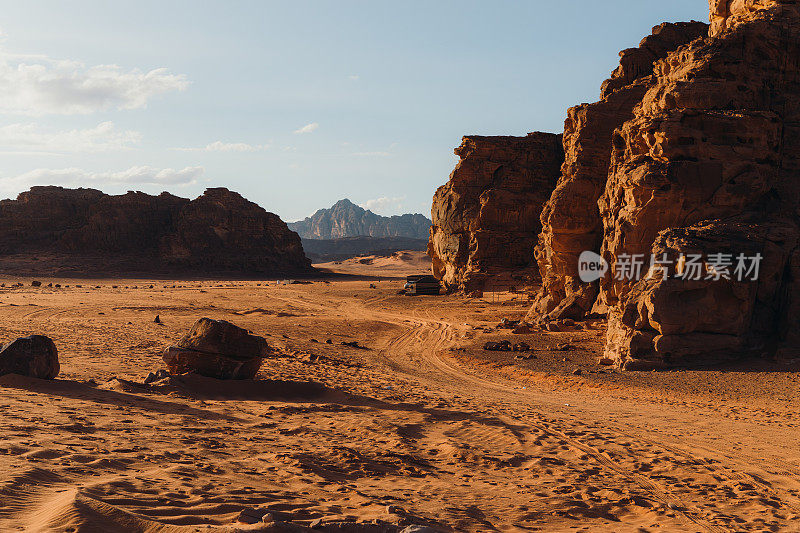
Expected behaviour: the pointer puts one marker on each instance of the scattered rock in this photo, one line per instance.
(36, 283)
(577, 372)
(156, 376)
(521, 347)
(35, 356)
(502, 346)
(251, 515)
(217, 349)
(157, 319)
(353, 344)
(418, 529)
(508, 324)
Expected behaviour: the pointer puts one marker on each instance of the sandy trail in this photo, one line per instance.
(406, 423)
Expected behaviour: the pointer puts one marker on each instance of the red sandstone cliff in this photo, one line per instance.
(693, 150)
(219, 231)
(710, 164)
(571, 219)
(486, 218)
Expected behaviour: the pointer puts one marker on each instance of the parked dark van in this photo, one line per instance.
(422, 285)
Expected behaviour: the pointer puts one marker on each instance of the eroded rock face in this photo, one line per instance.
(486, 218)
(35, 356)
(217, 349)
(571, 221)
(665, 320)
(222, 230)
(710, 164)
(218, 231)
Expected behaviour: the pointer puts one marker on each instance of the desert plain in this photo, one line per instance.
(414, 425)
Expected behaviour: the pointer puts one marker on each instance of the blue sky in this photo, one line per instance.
(295, 104)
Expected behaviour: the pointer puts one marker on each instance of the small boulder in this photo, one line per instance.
(522, 347)
(35, 356)
(505, 323)
(156, 376)
(36, 283)
(217, 349)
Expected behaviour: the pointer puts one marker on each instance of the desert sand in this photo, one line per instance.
(420, 426)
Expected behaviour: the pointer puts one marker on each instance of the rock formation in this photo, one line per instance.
(345, 219)
(35, 356)
(571, 220)
(219, 231)
(685, 177)
(486, 218)
(217, 349)
(709, 165)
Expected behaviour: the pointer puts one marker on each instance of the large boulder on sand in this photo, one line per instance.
(35, 356)
(217, 349)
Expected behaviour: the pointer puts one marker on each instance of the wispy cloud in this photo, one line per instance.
(141, 175)
(220, 146)
(354, 77)
(39, 85)
(33, 139)
(308, 128)
(385, 205)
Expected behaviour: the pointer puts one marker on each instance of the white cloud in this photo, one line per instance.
(354, 77)
(32, 139)
(308, 128)
(39, 85)
(142, 175)
(384, 204)
(219, 146)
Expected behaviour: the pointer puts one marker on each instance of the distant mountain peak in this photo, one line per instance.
(345, 202)
(346, 219)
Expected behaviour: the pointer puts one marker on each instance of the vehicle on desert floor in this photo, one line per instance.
(422, 284)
